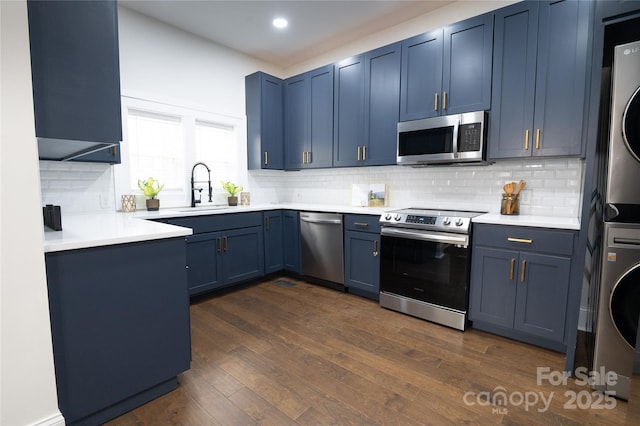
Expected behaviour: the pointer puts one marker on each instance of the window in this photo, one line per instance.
(165, 141)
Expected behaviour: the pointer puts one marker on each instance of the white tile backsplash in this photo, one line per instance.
(554, 187)
(77, 187)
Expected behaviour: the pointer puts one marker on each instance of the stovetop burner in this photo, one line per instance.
(429, 219)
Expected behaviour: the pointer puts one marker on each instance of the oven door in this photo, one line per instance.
(431, 267)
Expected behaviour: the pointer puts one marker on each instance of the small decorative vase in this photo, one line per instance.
(153, 204)
(128, 203)
(233, 201)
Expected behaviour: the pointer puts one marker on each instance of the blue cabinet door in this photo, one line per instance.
(309, 119)
(382, 99)
(75, 73)
(421, 76)
(492, 297)
(362, 263)
(349, 87)
(264, 109)
(543, 286)
(563, 42)
(242, 254)
(514, 80)
(320, 117)
(466, 72)
(296, 138)
(291, 237)
(204, 262)
(273, 242)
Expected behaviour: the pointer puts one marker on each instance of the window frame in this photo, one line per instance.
(189, 115)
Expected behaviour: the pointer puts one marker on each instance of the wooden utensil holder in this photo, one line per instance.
(510, 204)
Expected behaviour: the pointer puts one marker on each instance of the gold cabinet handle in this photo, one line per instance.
(537, 138)
(526, 140)
(435, 101)
(524, 265)
(513, 264)
(219, 245)
(444, 100)
(375, 248)
(304, 157)
(359, 148)
(308, 157)
(226, 244)
(266, 158)
(364, 153)
(519, 240)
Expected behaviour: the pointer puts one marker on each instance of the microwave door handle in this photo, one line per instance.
(454, 147)
(446, 238)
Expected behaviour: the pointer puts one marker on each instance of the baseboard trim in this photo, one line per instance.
(55, 420)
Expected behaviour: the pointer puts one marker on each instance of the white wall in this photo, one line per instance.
(439, 18)
(28, 389)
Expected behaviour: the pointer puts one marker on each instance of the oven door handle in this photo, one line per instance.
(438, 237)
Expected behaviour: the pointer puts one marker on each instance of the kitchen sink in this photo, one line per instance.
(203, 209)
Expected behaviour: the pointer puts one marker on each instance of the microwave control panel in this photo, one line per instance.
(470, 137)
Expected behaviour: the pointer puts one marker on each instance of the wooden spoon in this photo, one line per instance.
(509, 187)
(521, 186)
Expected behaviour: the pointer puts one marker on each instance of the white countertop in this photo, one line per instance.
(102, 229)
(525, 220)
(107, 228)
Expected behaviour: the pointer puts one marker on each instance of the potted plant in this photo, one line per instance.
(232, 189)
(150, 188)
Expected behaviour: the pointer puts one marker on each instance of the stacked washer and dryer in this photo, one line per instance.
(619, 299)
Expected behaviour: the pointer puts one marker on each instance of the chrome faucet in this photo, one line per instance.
(193, 186)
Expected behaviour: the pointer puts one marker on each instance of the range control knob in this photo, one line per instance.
(398, 217)
(446, 221)
(459, 221)
(387, 216)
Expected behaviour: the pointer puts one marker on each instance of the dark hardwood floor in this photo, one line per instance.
(308, 355)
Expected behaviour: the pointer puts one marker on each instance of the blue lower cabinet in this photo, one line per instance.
(120, 326)
(291, 241)
(520, 283)
(219, 259)
(242, 254)
(273, 243)
(362, 257)
(204, 263)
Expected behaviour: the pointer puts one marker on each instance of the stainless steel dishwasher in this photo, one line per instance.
(322, 246)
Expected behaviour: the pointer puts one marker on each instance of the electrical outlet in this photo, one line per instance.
(104, 201)
(525, 196)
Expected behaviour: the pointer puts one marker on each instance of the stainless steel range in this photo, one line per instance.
(425, 263)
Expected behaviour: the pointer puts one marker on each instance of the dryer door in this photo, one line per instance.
(624, 305)
(631, 125)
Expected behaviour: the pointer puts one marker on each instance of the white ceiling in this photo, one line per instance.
(315, 26)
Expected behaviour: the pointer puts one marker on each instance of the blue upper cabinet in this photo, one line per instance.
(466, 74)
(264, 108)
(366, 108)
(348, 124)
(447, 71)
(308, 119)
(382, 100)
(421, 76)
(76, 78)
(539, 79)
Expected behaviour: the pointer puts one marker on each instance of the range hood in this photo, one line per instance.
(65, 150)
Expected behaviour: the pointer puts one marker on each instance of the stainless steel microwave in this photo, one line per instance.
(449, 139)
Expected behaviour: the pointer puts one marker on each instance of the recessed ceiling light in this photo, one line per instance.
(280, 23)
